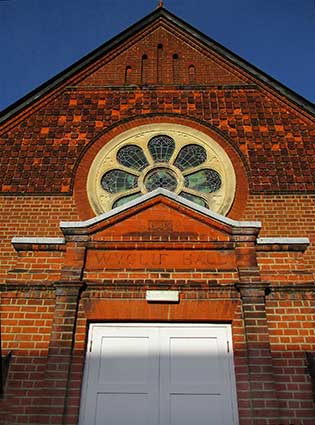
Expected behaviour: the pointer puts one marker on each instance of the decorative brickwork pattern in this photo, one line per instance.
(45, 148)
(209, 69)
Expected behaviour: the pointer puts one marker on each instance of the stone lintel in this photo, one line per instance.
(38, 244)
(282, 244)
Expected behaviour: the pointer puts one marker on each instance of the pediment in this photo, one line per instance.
(162, 220)
(160, 216)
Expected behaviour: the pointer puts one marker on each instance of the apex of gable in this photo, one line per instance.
(213, 60)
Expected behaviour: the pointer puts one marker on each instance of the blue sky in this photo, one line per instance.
(40, 38)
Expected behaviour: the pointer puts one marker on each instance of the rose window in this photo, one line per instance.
(184, 162)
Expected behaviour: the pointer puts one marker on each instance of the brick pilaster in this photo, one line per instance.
(61, 348)
(263, 403)
(74, 258)
(263, 397)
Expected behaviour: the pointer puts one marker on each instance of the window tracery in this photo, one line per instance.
(174, 157)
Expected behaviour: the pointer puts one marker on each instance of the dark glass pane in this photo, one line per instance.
(194, 198)
(161, 148)
(161, 178)
(133, 157)
(116, 181)
(204, 181)
(190, 156)
(125, 199)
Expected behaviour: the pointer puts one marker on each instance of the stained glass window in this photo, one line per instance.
(161, 148)
(115, 181)
(132, 156)
(152, 165)
(125, 199)
(193, 198)
(162, 154)
(190, 156)
(204, 181)
(161, 178)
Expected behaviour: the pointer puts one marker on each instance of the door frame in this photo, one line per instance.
(229, 353)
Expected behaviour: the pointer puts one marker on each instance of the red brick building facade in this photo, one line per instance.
(241, 259)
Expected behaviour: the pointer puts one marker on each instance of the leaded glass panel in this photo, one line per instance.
(204, 181)
(161, 148)
(193, 198)
(125, 199)
(190, 156)
(132, 156)
(161, 178)
(161, 155)
(116, 181)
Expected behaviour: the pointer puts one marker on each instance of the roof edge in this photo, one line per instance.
(247, 66)
(58, 79)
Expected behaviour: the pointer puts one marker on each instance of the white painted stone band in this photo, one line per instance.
(283, 241)
(38, 241)
(162, 296)
(151, 195)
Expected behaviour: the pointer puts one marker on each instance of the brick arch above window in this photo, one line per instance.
(88, 182)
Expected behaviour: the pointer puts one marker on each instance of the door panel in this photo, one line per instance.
(122, 382)
(199, 409)
(193, 382)
(122, 409)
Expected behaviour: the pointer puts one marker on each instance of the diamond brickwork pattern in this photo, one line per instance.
(40, 154)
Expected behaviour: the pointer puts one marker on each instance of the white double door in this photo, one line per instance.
(156, 374)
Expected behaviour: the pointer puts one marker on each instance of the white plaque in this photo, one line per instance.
(162, 296)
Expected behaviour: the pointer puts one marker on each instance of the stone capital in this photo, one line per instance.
(252, 290)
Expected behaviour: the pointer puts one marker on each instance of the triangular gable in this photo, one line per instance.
(160, 230)
(77, 71)
(160, 215)
(159, 44)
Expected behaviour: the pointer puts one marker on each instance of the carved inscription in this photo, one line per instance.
(146, 259)
(160, 226)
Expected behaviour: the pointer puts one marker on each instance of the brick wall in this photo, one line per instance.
(30, 216)
(290, 338)
(26, 319)
(40, 216)
(285, 216)
(46, 152)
